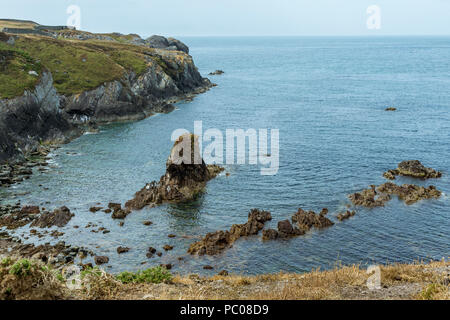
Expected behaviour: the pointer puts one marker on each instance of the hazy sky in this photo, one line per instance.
(241, 17)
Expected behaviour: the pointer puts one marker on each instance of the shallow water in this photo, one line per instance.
(327, 96)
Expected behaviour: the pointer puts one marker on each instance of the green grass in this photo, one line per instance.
(153, 275)
(21, 268)
(14, 67)
(76, 66)
(130, 60)
(95, 271)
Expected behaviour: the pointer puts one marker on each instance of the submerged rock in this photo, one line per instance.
(345, 215)
(30, 210)
(59, 217)
(121, 250)
(216, 73)
(185, 178)
(215, 242)
(410, 193)
(369, 198)
(99, 260)
(378, 196)
(412, 168)
(302, 221)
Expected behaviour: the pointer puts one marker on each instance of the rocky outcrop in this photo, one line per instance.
(345, 215)
(412, 168)
(307, 220)
(186, 176)
(216, 73)
(369, 198)
(121, 250)
(43, 115)
(161, 42)
(410, 193)
(59, 217)
(378, 196)
(215, 242)
(302, 222)
(287, 230)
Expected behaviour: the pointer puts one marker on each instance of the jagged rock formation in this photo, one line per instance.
(378, 196)
(345, 215)
(303, 222)
(59, 217)
(215, 242)
(186, 176)
(412, 168)
(410, 193)
(369, 198)
(139, 82)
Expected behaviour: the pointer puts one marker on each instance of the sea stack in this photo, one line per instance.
(186, 176)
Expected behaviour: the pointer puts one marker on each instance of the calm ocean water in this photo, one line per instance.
(327, 97)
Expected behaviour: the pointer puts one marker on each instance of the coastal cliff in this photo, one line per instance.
(53, 88)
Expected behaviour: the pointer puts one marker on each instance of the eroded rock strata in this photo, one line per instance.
(412, 168)
(378, 196)
(184, 179)
(302, 222)
(215, 242)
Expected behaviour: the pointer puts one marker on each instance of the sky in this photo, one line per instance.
(243, 17)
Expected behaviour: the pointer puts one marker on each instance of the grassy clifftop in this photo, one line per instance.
(76, 65)
(15, 65)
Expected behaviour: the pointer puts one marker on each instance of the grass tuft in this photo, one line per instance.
(152, 275)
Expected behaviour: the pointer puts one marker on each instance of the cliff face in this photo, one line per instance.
(34, 117)
(43, 114)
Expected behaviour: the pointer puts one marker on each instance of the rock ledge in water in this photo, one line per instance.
(412, 168)
(378, 196)
(215, 242)
(59, 217)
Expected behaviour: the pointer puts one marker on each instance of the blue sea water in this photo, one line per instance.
(327, 97)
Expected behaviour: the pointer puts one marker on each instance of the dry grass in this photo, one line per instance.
(22, 279)
(16, 24)
(417, 281)
(399, 281)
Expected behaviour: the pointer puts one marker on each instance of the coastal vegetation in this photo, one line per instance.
(29, 279)
(76, 65)
(15, 67)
